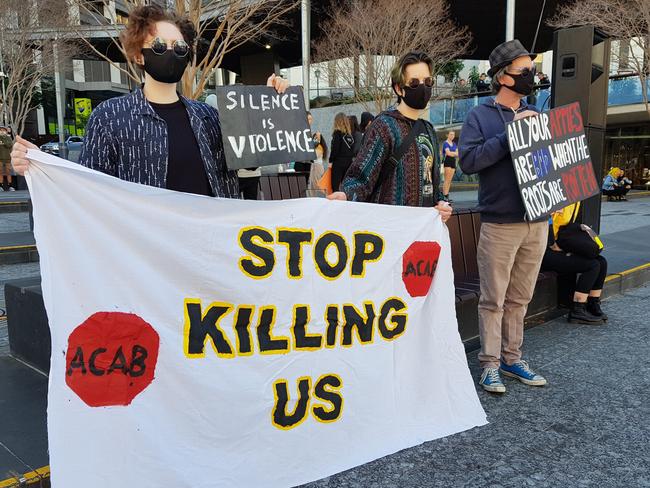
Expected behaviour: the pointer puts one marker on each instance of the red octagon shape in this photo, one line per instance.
(111, 358)
(419, 264)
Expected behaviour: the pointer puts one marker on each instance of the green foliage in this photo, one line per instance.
(473, 76)
(449, 70)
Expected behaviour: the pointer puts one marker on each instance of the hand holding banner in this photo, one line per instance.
(202, 341)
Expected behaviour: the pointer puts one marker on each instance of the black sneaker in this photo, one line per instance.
(580, 315)
(593, 307)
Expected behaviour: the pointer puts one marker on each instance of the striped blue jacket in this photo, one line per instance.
(126, 138)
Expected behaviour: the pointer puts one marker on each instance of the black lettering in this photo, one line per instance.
(200, 328)
(242, 327)
(266, 341)
(119, 362)
(410, 269)
(304, 340)
(138, 356)
(328, 270)
(92, 359)
(354, 320)
(261, 253)
(397, 319)
(77, 362)
(286, 420)
(294, 239)
(367, 248)
(332, 317)
(333, 397)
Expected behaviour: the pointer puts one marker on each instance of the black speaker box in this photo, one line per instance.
(581, 74)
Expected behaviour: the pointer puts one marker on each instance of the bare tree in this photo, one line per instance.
(627, 21)
(222, 26)
(362, 39)
(26, 57)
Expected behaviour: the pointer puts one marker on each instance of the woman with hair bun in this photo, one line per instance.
(155, 136)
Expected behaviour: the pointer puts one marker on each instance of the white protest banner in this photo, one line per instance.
(210, 342)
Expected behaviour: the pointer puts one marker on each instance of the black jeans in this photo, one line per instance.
(248, 187)
(592, 271)
(339, 168)
(616, 192)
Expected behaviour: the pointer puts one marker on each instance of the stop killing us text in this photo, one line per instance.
(233, 331)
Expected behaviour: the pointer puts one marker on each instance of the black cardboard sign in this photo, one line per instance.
(551, 160)
(261, 127)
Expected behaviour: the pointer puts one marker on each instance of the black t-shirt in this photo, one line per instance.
(185, 170)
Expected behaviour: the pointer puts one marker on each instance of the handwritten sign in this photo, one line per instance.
(262, 127)
(271, 345)
(551, 160)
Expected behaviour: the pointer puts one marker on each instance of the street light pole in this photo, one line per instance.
(510, 20)
(305, 10)
(317, 74)
(58, 86)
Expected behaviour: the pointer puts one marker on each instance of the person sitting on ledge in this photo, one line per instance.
(591, 272)
(611, 186)
(625, 183)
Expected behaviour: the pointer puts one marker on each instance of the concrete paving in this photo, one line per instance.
(587, 428)
(14, 222)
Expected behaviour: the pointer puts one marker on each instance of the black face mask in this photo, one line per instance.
(523, 83)
(417, 98)
(165, 68)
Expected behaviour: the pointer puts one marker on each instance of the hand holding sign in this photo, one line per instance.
(262, 126)
(524, 114)
(551, 159)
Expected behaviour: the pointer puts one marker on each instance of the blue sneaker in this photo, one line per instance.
(491, 381)
(523, 373)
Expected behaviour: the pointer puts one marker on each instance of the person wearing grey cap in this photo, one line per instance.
(510, 249)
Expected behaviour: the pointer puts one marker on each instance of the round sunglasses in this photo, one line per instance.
(179, 47)
(414, 82)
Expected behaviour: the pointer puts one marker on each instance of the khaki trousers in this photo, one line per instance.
(509, 257)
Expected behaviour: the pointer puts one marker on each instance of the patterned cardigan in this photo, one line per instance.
(404, 186)
(126, 138)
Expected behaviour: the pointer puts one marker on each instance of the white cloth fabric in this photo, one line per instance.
(108, 245)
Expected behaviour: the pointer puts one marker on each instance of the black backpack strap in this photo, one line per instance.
(390, 164)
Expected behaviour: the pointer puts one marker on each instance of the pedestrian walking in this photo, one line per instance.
(356, 133)
(543, 80)
(449, 156)
(461, 87)
(342, 151)
(366, 120)
(482, 85)
(154, 136)
(399, 162)
(510, 249)
(6, 143)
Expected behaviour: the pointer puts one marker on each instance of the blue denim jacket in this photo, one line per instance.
(126, 138)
